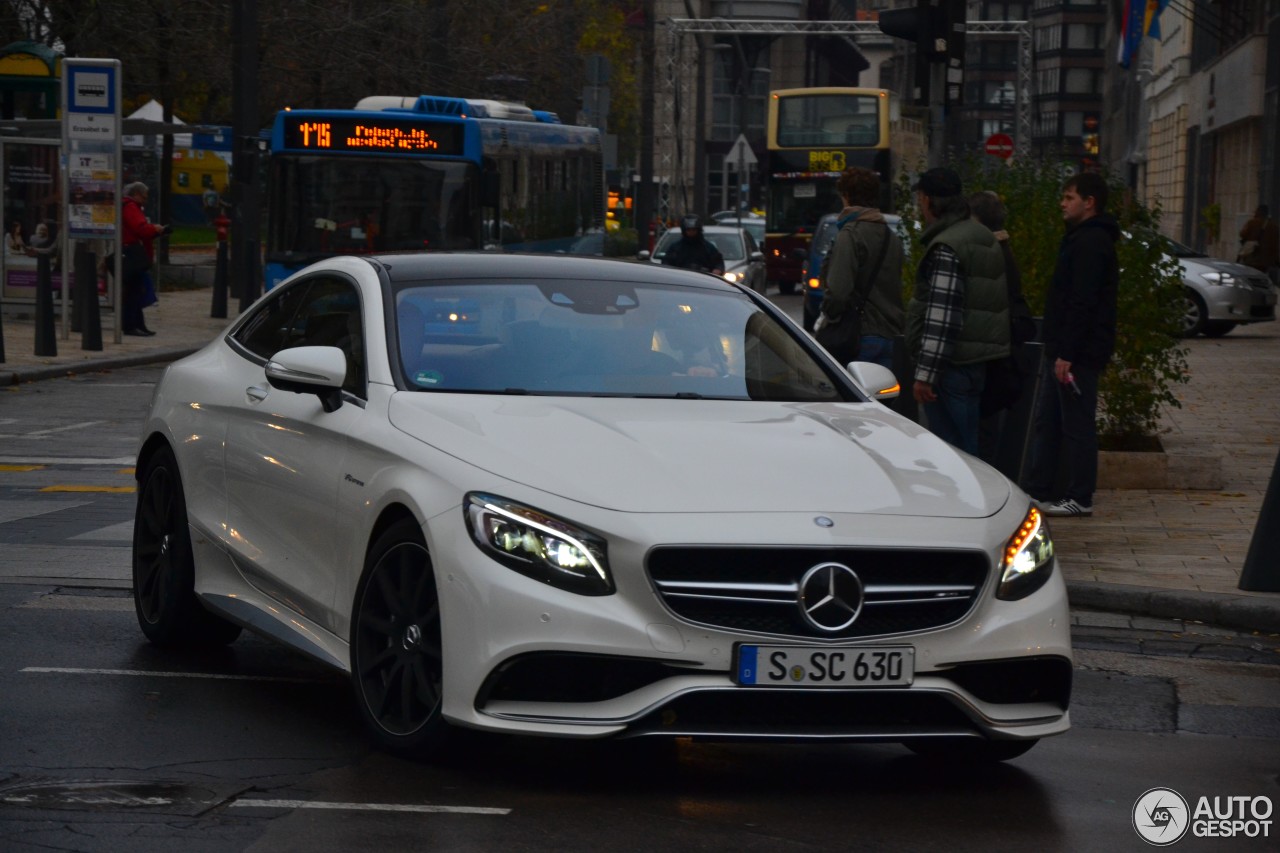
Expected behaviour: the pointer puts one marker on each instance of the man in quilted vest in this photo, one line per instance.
(958, 318)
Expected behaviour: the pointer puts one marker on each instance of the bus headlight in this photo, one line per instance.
(1027, 562)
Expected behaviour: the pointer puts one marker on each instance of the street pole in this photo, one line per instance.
(644, 193)
(246, 233)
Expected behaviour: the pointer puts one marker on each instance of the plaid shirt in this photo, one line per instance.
(943, 313)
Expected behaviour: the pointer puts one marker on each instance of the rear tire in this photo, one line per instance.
(969, 750)
(163, 566)
(397, 659)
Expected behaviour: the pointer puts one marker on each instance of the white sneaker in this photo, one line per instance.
(1065, 507)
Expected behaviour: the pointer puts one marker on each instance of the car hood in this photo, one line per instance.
(646, 455)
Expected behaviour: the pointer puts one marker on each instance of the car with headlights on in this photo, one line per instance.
(743, 258)
(589, 498)
(1220, 295)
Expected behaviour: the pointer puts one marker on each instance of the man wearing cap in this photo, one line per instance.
(958, 318)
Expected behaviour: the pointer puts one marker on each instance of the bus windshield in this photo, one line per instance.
(346, 205)
(845, 120)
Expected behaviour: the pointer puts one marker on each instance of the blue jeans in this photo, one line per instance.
(876, 349)
(955, 415)
(1065, 427)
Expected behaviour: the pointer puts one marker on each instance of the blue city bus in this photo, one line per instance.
(430, 174)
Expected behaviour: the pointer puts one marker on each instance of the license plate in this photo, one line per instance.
(808, 666)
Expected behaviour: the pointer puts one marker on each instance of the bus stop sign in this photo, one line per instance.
(1000, 145)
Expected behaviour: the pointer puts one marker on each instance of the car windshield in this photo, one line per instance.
(728, 242)
(1180, 251)
(611, 338)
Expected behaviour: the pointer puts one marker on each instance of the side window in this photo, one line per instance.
(323, 311)
(330, 316)
(273, 327)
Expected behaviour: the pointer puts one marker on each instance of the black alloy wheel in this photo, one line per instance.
(163, 566)
(397, 660)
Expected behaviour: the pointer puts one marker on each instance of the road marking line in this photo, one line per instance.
(21, 468)
(80, 602)
(111, 490)
(68, 460)
(73, 670)
(365, 807)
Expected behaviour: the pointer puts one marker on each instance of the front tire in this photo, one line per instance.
(397, 660)
(969, 750)
(163, 566)
(1195, 314)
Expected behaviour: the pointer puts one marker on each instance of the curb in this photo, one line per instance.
(15, 376)
(1239, 612)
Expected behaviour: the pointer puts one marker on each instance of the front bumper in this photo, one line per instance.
(524, 657)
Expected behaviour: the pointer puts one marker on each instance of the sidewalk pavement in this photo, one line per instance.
(1174, 554)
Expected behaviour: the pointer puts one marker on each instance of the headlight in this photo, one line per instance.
(1028, 558)
(732, 277)
(1225, 279)
(538, 545)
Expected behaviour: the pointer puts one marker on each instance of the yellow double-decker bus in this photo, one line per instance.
(813, 135)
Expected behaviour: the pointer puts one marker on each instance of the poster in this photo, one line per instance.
(31, 202)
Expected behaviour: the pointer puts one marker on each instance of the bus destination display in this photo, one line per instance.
(372, 134)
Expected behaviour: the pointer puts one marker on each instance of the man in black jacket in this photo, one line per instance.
(1079, 337)
(693, 250)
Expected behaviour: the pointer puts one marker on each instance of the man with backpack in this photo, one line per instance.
(862, 276)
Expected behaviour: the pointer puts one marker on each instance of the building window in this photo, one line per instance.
(1072, 124)
(996, 125)
(725, 125)
(1083, 81)
(1049, 37)
(1048, 81)
(1084, 36)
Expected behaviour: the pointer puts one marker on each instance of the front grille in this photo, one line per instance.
(878, 715)
(755, 590)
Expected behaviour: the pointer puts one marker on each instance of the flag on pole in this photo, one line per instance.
(1131, 31)
(1151, 23)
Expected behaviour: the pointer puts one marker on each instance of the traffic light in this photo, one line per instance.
(937, 29)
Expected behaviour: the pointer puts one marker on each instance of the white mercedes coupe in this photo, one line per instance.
(589, 498)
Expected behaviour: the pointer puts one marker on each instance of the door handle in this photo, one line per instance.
(257, 393)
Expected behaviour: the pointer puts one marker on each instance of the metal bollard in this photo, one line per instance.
(86, 306)
(219, 309)
(1261, 572)
(1, 332)
(46, 343)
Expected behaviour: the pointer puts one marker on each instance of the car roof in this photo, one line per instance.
(419, 266)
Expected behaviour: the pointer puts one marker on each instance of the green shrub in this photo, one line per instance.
(623, 243)
(1149, 361)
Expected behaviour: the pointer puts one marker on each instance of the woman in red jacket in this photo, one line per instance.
(137, 231)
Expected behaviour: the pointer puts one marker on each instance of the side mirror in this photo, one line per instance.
(643, 255)
(875, 379)
(756, 256)
(310, 370)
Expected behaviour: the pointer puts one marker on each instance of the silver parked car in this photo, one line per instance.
(1221, 295)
